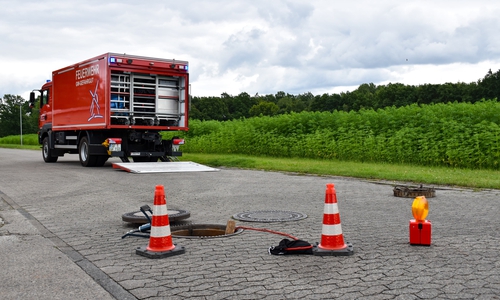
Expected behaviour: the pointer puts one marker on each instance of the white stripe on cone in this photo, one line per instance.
(331, 208)
(160, 210)
(161, 231)
(332, 229)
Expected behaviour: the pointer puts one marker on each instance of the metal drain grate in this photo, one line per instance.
(269, 216)
(412, 192)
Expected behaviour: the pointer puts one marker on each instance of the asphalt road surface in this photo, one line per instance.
(61, 229)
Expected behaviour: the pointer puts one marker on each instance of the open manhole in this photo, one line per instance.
(412, 192)
(269, 216)
(137, 217)
(201, 231)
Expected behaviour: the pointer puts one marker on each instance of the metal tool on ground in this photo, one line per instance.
(332, 239)
(163, 167)
(160, 239)
(145, 228)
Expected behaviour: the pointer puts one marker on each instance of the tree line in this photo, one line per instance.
(15, 110)
(366, 96)
(228, 107)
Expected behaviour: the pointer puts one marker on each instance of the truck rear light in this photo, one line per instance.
(178, 141)
(113, 145)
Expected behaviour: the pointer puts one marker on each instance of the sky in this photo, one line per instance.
(257, 46)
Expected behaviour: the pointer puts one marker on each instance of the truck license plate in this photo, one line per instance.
(115, 147)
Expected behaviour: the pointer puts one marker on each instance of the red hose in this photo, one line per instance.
(267, 230)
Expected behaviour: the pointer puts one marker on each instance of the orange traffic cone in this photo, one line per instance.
(160, 240)
(332, 239)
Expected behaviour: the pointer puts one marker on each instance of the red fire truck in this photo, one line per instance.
(114, 105)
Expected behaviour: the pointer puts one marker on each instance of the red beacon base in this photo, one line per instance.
(420, 232)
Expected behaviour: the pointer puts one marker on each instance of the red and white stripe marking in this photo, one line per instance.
(160, 237)
(331, 235)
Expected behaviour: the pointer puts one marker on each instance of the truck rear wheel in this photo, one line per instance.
(86, 159)
(47, 152)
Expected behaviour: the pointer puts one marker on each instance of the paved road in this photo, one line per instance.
(70, 217)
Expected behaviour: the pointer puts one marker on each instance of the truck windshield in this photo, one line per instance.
(44, 97)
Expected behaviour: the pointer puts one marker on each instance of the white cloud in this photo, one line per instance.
(257, 46)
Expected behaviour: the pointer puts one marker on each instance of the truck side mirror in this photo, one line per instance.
(32, 99)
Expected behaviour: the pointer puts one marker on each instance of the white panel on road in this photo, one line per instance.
(163, 167)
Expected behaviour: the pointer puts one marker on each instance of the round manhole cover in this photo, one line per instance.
(137, 217)
(269, 216)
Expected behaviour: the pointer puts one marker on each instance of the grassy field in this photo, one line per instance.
(452, 135)
(18, 146)
(476, 179)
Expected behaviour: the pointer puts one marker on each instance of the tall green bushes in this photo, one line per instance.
(455, 134)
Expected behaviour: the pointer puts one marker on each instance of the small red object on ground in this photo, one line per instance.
(420, 232)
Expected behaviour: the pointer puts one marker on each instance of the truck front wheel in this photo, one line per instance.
(86, 159)
(47, 152)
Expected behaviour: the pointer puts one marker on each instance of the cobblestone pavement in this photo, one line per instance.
(82, 207)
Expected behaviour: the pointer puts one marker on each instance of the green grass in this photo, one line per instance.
(453, 135)
(30, 141)
(478, 179)
(14, 146)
